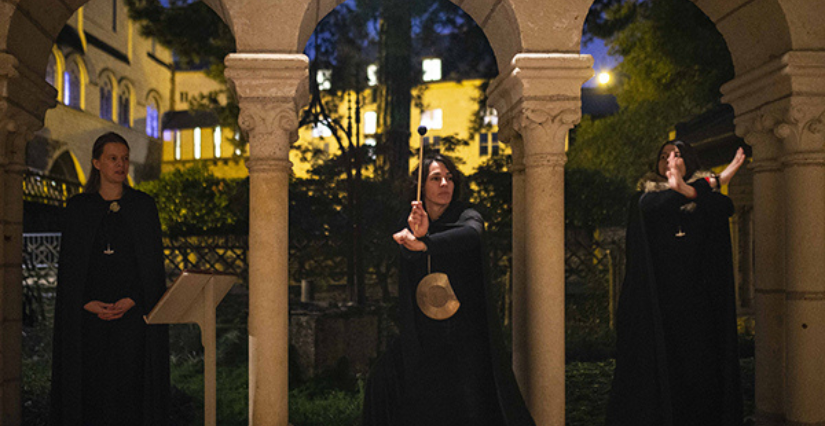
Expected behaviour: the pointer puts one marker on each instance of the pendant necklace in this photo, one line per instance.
(114, 207)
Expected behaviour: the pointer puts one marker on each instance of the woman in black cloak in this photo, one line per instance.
(109, 367)
(676, 360)
(453, 371)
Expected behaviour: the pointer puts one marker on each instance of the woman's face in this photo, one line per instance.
(113, 163)
(680, 163)
(438, 190)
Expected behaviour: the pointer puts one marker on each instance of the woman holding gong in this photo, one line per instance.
(449, 366)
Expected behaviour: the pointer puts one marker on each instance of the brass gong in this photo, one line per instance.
(435, 296)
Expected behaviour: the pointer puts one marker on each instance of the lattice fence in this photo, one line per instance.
(45, 189)
(40, 254)
(225, 253)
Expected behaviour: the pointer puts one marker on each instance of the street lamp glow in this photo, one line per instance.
(604, 77)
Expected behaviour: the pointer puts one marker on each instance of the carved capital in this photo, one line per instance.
(271, 128)
(271, 89)
(539, 97)
(543, 126)
(17, 128)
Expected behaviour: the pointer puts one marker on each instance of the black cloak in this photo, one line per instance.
(84, 216)
(454, 372)
(676, 353)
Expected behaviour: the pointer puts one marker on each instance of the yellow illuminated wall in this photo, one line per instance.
(455, 100)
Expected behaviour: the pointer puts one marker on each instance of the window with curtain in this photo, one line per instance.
(71, 87)
(106, 100)
(124, 110)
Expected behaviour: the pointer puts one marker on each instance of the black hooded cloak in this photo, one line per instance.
(454, 372)
(676, 360)
(119, 366)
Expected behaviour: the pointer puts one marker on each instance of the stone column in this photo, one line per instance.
(769, 267)
(540, 97)
(23, 103)
(520, 320)
(780, 108)
(804, 184)
(271, 89)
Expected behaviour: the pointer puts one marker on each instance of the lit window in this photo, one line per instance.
(124, 110)
(216, 141)
(106, 100)
(168, 135)
(490, 117)
(67, 87)
(431, 69)
(434, 144)
(370, 122)
(152, 121)
(488, 144)
(432, 119)
(177, 144)
(324, 79)
(197, 143)
(372, 75)
(71, 87)
(320, 130)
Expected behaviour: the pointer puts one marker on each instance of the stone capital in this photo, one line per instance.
(271, 90)
(24, 88)
(793, 125)
(539, 97)
(17, 128)
(800, 74)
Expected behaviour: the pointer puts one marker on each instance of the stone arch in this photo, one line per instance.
(55, 67)
(746, 25)
(497, 19)
(65, 165)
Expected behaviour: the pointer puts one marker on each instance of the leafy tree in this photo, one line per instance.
(674, 61)
(193, 201)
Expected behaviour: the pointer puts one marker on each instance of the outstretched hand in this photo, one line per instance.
(738, 159)
(675, 180)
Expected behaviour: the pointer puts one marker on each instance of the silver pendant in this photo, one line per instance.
(108, 250)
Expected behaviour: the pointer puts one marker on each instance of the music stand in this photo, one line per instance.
(193, 298)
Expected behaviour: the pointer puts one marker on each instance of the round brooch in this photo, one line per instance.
(114, 207)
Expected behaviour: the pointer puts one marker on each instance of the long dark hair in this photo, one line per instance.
(428, 161)
(93, 184)
(689, 156)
